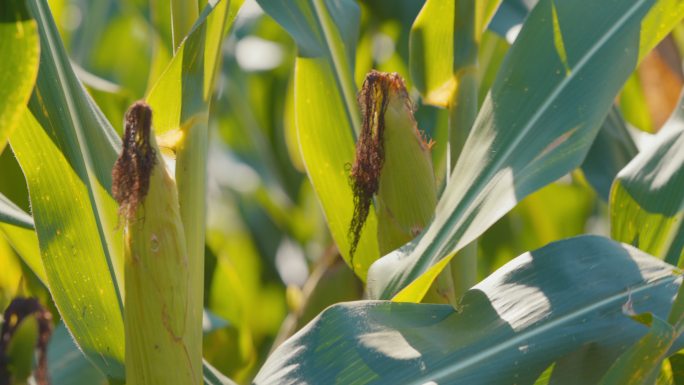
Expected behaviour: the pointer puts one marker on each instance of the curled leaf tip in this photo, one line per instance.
(132, 170)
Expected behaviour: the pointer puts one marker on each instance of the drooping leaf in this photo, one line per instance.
(19, 48)
(646, 202)
(532, 129)
(326, 112)
(533, 311)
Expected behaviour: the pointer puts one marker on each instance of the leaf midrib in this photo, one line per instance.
(438, 243)
(530, 333)
(86, 160)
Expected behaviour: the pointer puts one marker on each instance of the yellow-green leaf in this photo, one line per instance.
(646, 201)
(77, 271)
(326, 112)
(19, 50)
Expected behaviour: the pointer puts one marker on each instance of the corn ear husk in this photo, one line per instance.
(158, 345)
(407, 194)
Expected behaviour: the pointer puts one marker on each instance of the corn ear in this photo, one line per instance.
(159, 349)
(393, 164)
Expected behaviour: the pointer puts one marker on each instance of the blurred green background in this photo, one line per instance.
(271, 265)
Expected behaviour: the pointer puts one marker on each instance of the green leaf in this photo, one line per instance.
(19, 50)
(532, 129)
(67, 365)
(612, 149)
(677, 365)
(17, 227)
(646, 202)
(72, 251)
(535, 310)
(639, 362)
(21, 348)
(327, 154)
(443, 45)
(662, 18)
(633, 104)
(320, 28)
(66, 149)
(213, 377)
(545, 377)
(485, 13)
(509, 17)
(326, 112)
(13, 215)
(25, 244)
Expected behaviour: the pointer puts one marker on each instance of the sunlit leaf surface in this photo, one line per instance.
(647, 203)
(536, 124)
(536, 309)
(19, 50)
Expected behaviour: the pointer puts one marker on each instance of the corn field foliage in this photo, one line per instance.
(341, 192)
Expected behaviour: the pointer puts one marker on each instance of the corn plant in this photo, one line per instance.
(483, 191)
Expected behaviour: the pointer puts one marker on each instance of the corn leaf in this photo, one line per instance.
(19, 48)
(612, 149)
(180, 96)
(67, 365)
(326, 112)
(642, 360)
(21, 349)
(509, 17)
(646, 201)
(536, 124)
(17, 228)
(13, 215)
(532, 312)
(444, 40)
(71, 248)
(76, 222)
(66, 149)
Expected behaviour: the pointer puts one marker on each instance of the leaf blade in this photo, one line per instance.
(531, 130)
(646, 204)
(513, 325)
(19, 46)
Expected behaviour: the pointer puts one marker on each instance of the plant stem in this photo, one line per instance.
(183, 16)
(191, 179)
